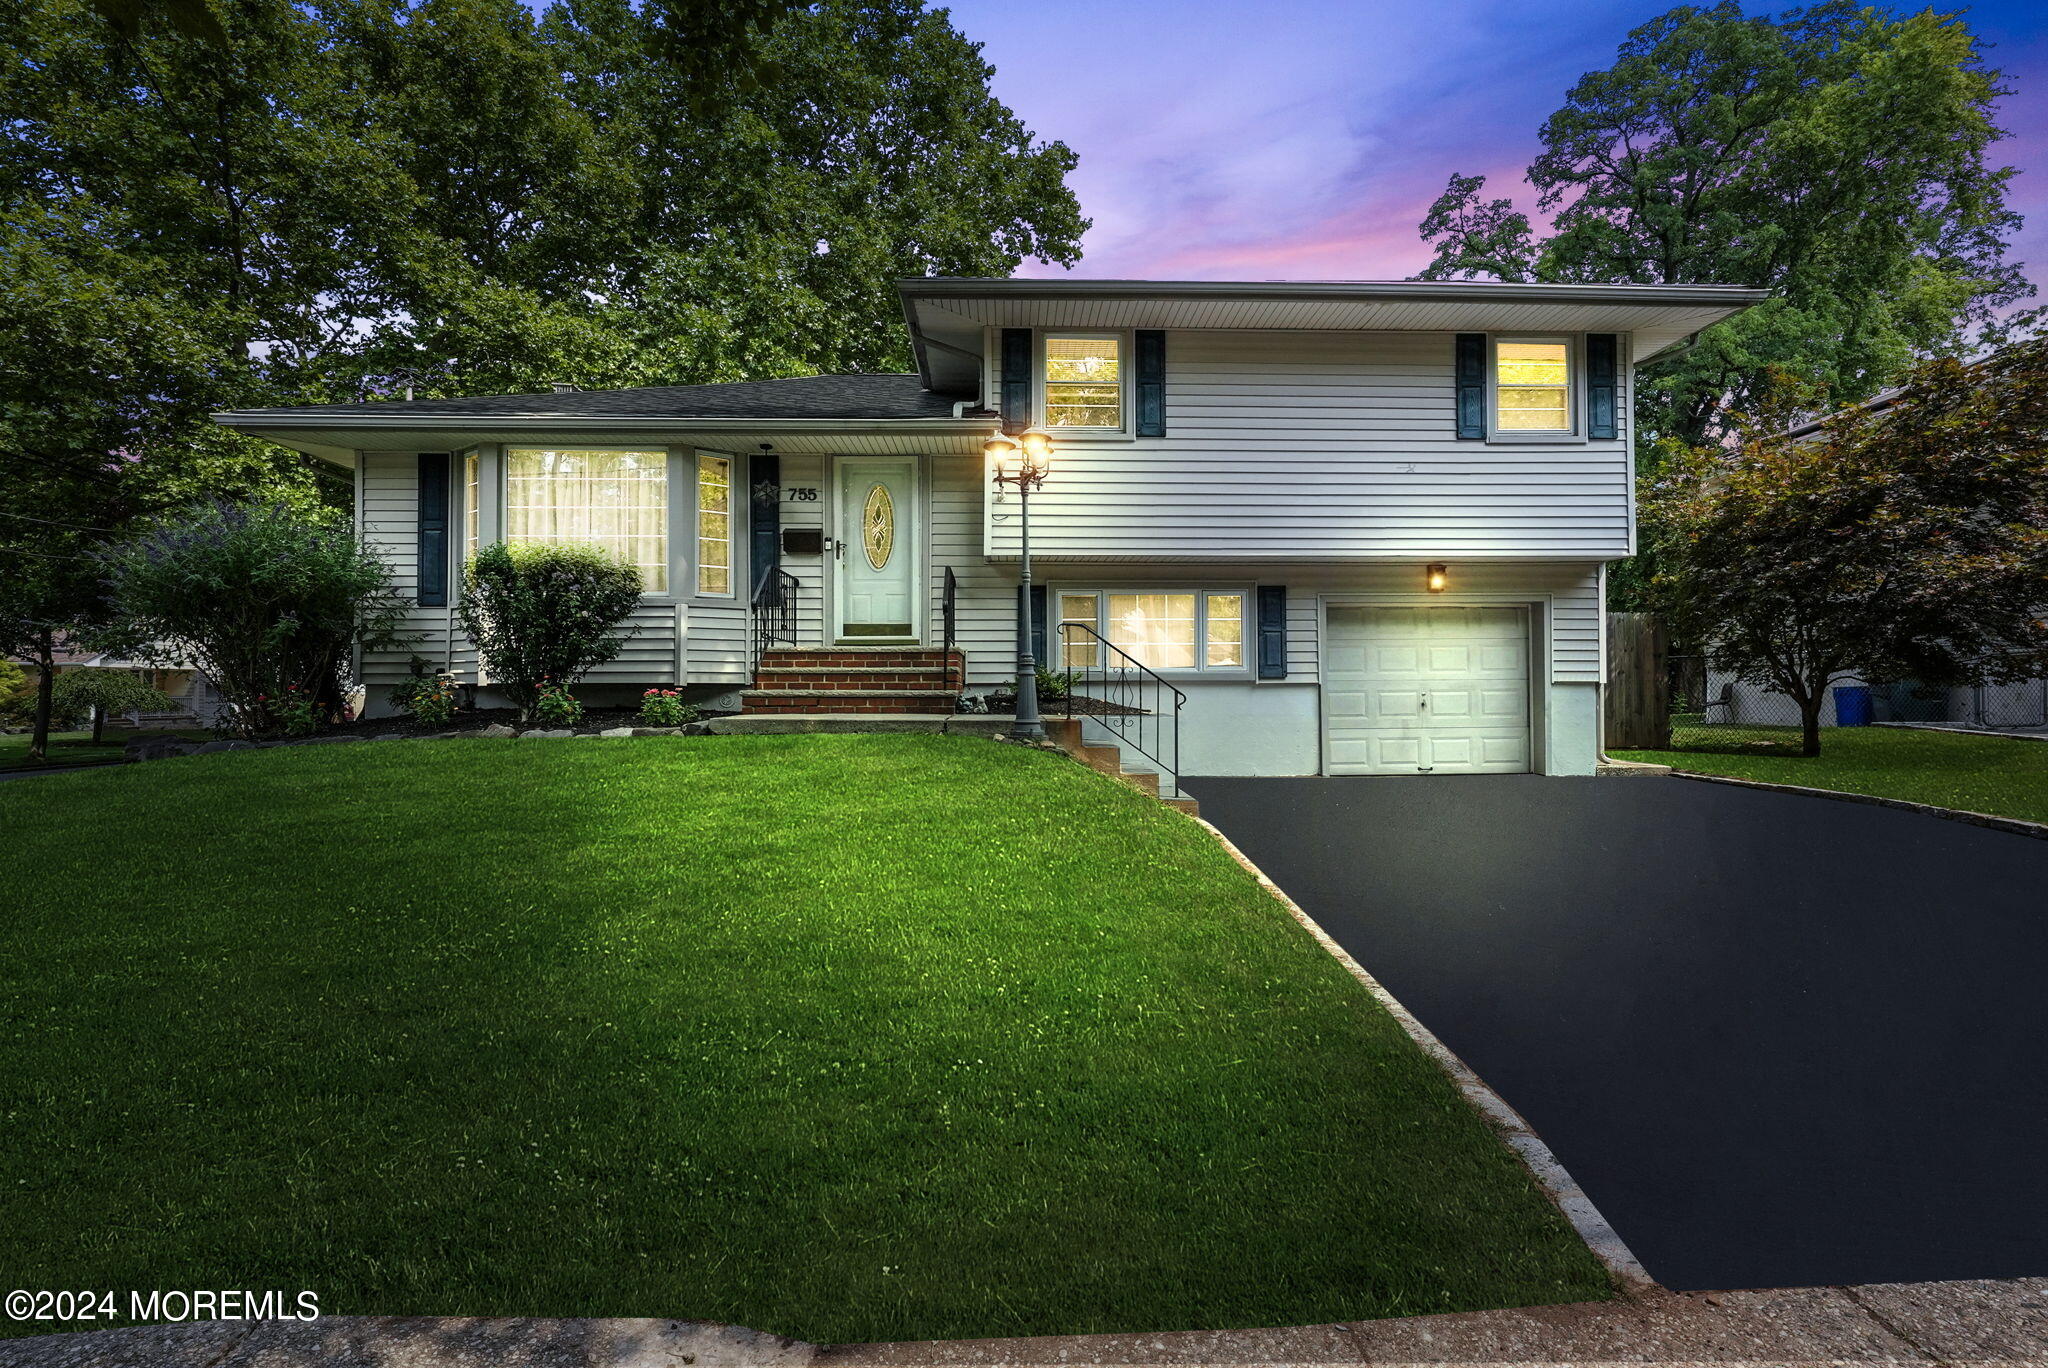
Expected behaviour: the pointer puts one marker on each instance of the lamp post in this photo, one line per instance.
(1023, 463)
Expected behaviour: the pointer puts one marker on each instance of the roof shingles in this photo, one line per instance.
(813, 396)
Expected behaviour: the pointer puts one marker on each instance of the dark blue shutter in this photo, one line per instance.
(1272, 631)
(1151, 383)
(1603, 384)
(431, 573)
(1038, 623)
(1016, 395)
(764, 517)
(1471, 380)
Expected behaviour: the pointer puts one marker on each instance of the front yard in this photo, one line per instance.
(842, 1037)
(77, 748)
(2004, 776)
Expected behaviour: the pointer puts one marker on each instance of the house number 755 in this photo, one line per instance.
(799, 495)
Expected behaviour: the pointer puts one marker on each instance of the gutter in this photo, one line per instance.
(303, 418)
(963, 287)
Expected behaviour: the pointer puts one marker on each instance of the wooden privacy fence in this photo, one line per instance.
(1638, 689)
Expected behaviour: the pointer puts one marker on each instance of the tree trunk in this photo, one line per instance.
(99, 721)
(46, 691)
(1809, 722)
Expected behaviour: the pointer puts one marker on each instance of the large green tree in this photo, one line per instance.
(1837, 155)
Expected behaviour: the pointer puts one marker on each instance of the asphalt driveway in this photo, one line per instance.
(1779, 1040)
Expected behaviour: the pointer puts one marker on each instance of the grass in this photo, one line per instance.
(2004, 776)
(77, 748)
(846, 1038)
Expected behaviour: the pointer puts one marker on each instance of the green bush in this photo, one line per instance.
(95, 694)
(270, 601)
(544, 613)
(556, 706)
(17, 696)
(431, 698)
(665, 708)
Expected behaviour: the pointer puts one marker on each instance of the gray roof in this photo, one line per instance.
(812, 396)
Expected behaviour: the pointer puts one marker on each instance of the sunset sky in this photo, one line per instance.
(1303, 139)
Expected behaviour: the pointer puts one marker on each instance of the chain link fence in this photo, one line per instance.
(1712, 710)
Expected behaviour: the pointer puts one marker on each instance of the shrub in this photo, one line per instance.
(296, 711)
(431, 699)
(98, 694)
(665, 708)
(556, 706)
(271, 601)
(546, 614)
(17, 696)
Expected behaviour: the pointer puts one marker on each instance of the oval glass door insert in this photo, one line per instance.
(878, 526)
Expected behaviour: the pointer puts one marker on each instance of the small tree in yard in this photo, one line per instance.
(543, 614)
(1909, 541)
(97, 693)
(270, 601)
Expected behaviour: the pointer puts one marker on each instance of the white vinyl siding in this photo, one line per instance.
(1323, 446)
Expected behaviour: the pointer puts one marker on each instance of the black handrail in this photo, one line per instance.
(1139, 707)
(774, 609)
(949, 609)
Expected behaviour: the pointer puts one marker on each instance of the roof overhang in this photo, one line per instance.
(339, 437)
(947, 314)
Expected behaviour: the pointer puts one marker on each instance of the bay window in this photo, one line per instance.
(614, 499)
(1161, 629)
(714, 524)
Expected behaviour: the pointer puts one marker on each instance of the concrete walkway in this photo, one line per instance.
(1902, 1323)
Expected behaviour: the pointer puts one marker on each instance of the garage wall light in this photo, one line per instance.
(1437, 578)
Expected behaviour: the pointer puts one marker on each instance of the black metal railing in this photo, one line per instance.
(949, 610)
(774, 610)
(1129, 700)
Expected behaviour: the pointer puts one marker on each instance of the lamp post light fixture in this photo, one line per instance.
(1023, 463)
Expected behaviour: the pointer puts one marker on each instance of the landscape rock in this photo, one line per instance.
(557, 734)
(657, 731)
(499, 730)
(389, 736)
(616, 731)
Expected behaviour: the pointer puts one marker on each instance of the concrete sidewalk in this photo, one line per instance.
(1948, 1323)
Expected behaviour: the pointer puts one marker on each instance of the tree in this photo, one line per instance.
(543, 614)
(1907, 541)
(96, 693)
(1836, 155)
(269, 600)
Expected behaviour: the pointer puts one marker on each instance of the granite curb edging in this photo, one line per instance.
(1515, 1131)
(2017, 826)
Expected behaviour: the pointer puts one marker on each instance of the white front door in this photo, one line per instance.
(1435, 690)
(878, 553)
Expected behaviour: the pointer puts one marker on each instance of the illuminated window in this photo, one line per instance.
(1160, 629)
(1084, 385)
(714, 524)
(1532, 387)
(472, 491)
(614, 499)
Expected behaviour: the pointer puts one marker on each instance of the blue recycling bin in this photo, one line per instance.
(1852, 705)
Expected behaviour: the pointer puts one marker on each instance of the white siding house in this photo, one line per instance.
(1362, 528)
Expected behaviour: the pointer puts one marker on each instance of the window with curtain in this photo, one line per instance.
(472, 502)
(714, 524)
(1532, 387)
(1160, 629)
(614, 499)
(1084, 382)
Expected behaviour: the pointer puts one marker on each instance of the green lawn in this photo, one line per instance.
(842, 1037)
(2005, 776)
(76, 748)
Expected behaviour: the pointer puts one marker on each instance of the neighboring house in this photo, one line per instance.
(1251, 485)
(194, 700)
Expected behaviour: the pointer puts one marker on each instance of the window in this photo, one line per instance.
(714, 524)
(1160, 629)
(1532, 386)
(1084, 382)
(471, 504)
(614, 499)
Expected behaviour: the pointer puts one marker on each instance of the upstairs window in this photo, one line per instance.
(614, 499)
(1084, 382)
(1532, 386)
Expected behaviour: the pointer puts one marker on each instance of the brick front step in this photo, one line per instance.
(755, 701)
(927, 678)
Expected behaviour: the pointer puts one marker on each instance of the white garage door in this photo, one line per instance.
(1427, 690)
